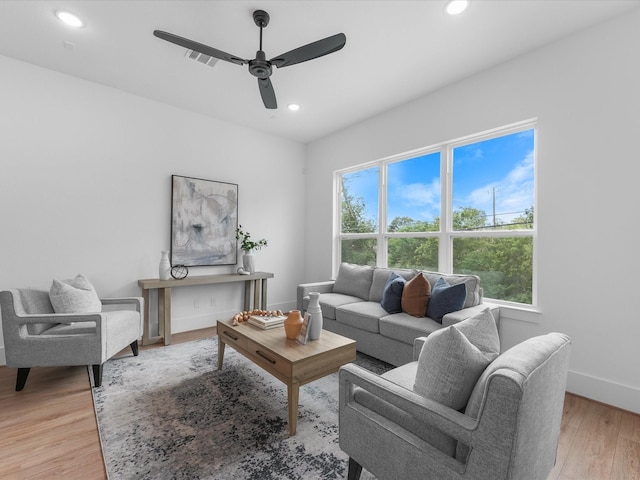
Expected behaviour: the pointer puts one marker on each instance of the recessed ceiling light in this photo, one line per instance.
(69, 18)
(454, 7)
(294, 107)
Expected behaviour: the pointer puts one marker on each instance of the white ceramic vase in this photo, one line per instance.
(248, 264)
(164, 269)
(315, 316)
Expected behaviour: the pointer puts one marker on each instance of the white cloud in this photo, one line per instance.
(513, 193)
(417, 200)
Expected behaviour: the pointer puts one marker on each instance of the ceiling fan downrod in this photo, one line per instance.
(260, 67)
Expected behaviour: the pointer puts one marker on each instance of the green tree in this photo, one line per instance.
(523, 221)
(353, 213)
(361, 251)
(408, 224)
(469, 218)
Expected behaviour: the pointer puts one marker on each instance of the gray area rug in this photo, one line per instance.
(170, 414)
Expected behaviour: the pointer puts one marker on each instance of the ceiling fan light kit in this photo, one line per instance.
(260, 67)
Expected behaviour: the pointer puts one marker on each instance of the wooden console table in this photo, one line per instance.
(257, 280)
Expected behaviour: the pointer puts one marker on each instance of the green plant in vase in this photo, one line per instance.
(248, 245)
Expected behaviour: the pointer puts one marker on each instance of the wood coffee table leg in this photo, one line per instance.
(221, 345)
(293, 394)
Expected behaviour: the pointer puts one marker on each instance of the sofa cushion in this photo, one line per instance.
(33, 302)
(451, 361)
(330, 301)
(361, 315)
(392, 294)
(75, 328)
(74, 296)
(415, 296)
(380, 278)
(445, 298)
(472, 283)
(354, 280)
(405, 328)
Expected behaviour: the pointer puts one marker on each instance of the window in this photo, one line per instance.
(465, 206)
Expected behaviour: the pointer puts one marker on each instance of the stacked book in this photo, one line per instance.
(263, 321)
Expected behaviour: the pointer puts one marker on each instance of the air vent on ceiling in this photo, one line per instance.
(201, 57)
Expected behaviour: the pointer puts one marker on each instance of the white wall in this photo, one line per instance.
(85, 187)
(584, 92)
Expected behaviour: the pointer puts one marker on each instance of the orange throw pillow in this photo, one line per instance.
(415, 296)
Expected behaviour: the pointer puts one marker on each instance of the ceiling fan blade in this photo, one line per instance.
(267, 93)
(199, 47)
(310, 51)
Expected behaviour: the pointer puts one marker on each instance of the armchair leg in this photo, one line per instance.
(21, 379)
(97, 375)
(355, 469)
(134, 348)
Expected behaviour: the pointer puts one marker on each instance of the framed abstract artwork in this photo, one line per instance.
(204, 218)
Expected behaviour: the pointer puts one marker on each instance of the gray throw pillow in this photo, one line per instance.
(453, 358)
(354, 280)
(481, 330)
(74, 296)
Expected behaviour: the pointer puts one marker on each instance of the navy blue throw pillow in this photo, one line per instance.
(392, 293)
(445, 298)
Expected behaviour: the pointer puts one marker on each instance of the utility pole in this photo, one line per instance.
(494, 205)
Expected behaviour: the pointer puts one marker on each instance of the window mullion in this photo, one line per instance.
(382, 215)
(445, 244)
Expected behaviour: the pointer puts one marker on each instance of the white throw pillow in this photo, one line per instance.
(453, 358)
(74, 296)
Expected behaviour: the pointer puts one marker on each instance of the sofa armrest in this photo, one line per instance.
(56, 318)
(456, 317)
(138, 302)
(305, 288)
(439, 416)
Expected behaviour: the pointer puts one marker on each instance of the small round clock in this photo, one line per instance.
(179, 272)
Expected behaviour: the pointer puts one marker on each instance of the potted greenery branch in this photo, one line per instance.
(246, 243)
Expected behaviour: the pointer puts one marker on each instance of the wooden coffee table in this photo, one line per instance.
(291, 363)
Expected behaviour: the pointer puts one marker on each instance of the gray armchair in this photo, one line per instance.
(509, 429)
(35, 336)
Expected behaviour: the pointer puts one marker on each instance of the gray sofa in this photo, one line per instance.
(351, 307)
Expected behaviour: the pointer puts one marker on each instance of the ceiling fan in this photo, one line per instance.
(260, 67)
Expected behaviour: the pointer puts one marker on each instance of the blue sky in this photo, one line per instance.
(502, 165)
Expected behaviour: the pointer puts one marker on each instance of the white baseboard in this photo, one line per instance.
(605, 391)
(3, 358)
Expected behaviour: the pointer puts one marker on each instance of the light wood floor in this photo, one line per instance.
(48, 431)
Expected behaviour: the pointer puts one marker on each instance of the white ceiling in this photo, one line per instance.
(396, 51)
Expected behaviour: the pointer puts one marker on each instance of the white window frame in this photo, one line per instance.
(446, 235)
